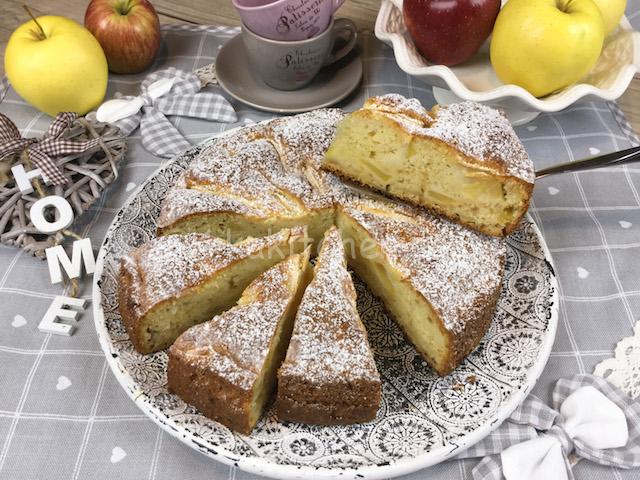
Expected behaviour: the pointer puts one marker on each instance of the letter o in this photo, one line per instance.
(65, 214)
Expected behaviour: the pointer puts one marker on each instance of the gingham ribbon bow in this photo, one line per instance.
(166, 92)
(41, 150)
(591, 419)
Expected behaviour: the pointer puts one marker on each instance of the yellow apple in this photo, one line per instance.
(612, 11)
(546, 45)
(61, 68)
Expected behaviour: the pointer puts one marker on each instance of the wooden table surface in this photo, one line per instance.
(212, 12)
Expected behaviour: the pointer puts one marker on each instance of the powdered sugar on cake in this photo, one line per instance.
(482, 133)
(456, 269)
(329, 343)
(234, 345)
(164, 267)
(485, 134)
(181, 202)
(266, 164)
(306, 137)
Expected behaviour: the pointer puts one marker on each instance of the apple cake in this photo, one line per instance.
(227, 367)
(329, 375)
(463, 161)
(257, 181)
(174, 282)
(439, 280)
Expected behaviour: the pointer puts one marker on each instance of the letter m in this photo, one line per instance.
(58, 259)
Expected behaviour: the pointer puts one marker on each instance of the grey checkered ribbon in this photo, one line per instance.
(159, 135)
(41, 150)
(590, 419)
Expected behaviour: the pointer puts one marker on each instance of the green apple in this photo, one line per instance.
(546, 45)
(56, 65)
(612, 11)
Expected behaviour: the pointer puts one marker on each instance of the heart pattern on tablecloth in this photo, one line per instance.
(594, 150)
(117, 454)
(624, 224)
(63, 383)
(582, 272)
(553, 191)
(18, 321)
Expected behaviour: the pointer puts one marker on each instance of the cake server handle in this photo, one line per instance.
(607, 160)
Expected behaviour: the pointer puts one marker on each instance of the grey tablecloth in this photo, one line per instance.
(63, 415)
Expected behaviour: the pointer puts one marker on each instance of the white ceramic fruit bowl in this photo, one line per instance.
(476, 80)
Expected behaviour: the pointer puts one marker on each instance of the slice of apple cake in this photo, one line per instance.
(439, 280)
(227, 367)
(463, 161)
(174, 282)
(329, 375)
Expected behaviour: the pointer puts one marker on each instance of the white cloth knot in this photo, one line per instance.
(165, 93)
(563, 437)
(590, 418)
(146, 99)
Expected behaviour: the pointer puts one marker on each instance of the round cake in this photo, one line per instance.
(438, 279)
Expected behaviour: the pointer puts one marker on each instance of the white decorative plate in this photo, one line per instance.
(423, 419)
(476, 80)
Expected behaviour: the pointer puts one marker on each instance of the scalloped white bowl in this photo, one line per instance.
(476, 80)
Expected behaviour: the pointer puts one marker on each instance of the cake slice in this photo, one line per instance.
(234, 218)
(227, 367)
(172, 283)
(255, 182)
(439, 280)
(329, 375)
(463, 161)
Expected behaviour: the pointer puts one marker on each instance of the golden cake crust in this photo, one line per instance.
(167, 268)
(456, 270)
(329, 375)
(216, 365)
(475, 135)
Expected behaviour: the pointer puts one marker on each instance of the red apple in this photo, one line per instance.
(127, 30)
(449, 32)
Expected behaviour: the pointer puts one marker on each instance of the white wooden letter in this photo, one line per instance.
(23, 178)
(50, 324)
(82, 253)
(65, 214)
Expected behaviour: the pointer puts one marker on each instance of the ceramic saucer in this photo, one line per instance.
(239, 80)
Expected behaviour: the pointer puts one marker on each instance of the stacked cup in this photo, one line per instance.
(289, 41)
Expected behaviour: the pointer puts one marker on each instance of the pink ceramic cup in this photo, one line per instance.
(286, 20)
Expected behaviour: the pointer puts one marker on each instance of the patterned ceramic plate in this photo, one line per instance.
(423, 419)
